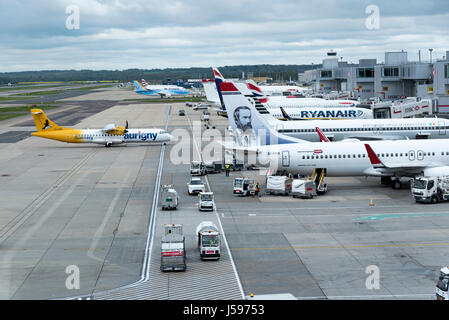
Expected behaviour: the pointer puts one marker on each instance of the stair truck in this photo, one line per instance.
(441, 290)
(430, 189)
(208, 240)
(318, 176)
(173, 249)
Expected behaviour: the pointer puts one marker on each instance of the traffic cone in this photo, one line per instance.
(371, 202)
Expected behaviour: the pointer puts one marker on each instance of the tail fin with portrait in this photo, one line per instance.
(249, 127)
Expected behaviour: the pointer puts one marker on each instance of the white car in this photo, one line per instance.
(200, 106)
(196, 185)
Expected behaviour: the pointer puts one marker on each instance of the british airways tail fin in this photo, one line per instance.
(249, 127)
(219, 79)
(255, 90)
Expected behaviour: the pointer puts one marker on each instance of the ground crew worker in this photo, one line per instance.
(256, 189)
(227, 168)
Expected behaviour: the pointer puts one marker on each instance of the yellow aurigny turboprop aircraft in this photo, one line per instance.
(109, 135)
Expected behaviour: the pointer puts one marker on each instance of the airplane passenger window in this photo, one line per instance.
(344, 156)
(433, 153)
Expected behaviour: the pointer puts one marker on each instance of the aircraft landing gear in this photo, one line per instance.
(108, 144)
(385, 181)
(396, 184)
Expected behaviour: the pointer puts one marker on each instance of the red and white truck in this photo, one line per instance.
(173, 249)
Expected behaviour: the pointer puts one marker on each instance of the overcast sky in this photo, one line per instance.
(119, 34)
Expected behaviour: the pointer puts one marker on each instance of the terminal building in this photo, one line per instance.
(395, 78)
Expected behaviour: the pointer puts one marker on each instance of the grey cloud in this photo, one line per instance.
(118, 34)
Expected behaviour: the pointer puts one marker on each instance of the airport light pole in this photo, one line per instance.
(430, 50)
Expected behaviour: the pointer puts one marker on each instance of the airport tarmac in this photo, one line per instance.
(92, 207)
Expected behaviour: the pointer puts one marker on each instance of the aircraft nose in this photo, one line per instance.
(169, 137)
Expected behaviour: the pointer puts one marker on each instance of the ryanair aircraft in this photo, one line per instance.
(109, 135)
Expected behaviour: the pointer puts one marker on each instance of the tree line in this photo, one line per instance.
(276, 72)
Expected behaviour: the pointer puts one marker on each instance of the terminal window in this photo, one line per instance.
(390, 72)
(326, 73)
(365, 72)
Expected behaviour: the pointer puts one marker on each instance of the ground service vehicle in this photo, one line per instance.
(430, 189)
(244, 186)
(169, 197)
(200, 106)
(441, 289)
(279, 185)
(213, 166)
(206, 201)
(208, 240)
(196, 185)
(173, 254)
(182, 112)
(197, 168)
(303, 188)
(205, 116)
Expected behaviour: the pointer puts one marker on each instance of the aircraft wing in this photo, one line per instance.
(404, 166)
(376, 138)
(233, 146)
(115, 130)
(109, 127)
(164, 93)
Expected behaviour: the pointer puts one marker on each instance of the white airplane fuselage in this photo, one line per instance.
(131, 136)
(366, 129)
(410, 157)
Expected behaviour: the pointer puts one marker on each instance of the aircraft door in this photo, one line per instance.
(419, 155)
(285, 158)
(378, 129)
(442, 128)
